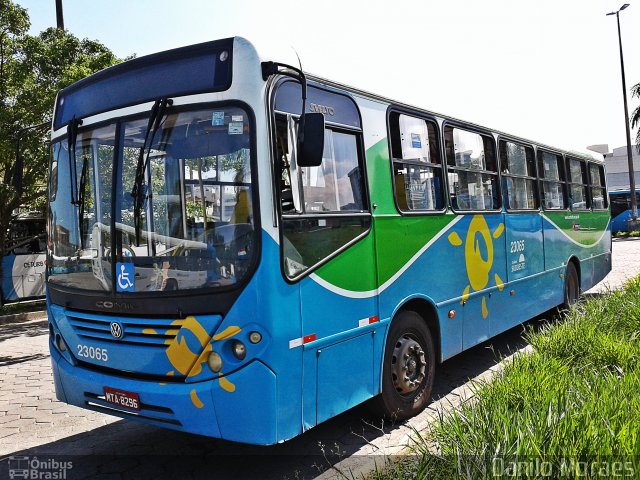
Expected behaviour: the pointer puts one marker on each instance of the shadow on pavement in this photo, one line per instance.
(12, 360)
(125, 449)
(29, 328)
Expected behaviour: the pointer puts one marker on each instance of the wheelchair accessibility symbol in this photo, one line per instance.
(125, 276)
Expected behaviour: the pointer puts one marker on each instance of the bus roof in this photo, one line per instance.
(154, 76)
(379, 98)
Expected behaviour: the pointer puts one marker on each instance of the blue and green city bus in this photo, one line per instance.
(240, 250)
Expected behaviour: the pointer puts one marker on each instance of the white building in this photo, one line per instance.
(617, 167)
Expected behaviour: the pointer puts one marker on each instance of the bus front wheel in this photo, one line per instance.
(408, 369)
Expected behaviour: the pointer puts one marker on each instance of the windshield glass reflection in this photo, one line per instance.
(179, 216)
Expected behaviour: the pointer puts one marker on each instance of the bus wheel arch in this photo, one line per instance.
(427, 311)
(408, 367)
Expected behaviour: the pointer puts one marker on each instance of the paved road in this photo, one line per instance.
(34, 424)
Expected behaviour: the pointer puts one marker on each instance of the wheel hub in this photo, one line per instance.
(408, 365)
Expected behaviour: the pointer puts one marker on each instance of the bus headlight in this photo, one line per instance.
(239, 350)
(215, 362)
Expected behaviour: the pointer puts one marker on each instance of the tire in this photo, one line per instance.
(408, 368)
(571, 287)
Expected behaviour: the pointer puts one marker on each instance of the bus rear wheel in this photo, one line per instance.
(408, 369)
(571, 286)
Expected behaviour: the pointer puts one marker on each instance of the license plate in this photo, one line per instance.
(121, 398)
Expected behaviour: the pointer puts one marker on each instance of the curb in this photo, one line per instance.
(375, 455)
(23, 317)
(624, 239)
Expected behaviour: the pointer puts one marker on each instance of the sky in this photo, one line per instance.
(546, 70)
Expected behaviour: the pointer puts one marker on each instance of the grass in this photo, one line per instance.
(633, 234)
(22, 307)
(576, 398)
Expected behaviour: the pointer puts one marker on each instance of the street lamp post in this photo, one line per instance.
(633, 222)
(59, 16)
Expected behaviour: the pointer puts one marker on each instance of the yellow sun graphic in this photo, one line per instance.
(478, 268)
(182, 358)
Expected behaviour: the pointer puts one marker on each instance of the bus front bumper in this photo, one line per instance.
(241, 407)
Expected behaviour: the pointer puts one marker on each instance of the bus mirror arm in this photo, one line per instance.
(310, 141)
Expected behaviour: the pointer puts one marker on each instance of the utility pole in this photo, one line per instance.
(59, 16)
(633, 221)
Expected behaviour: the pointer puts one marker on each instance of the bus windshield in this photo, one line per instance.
(139, 205)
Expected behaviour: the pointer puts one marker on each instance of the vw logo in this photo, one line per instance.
(116, 330)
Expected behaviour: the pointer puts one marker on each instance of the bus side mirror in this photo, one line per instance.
(310, 140)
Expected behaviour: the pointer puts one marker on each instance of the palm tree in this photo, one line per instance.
(635, 116)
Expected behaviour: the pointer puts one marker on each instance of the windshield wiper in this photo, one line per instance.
(155, 120)
(81, 201)
(77, 191)
(72, 136)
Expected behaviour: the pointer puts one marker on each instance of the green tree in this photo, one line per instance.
(32, 70)
(635, 116)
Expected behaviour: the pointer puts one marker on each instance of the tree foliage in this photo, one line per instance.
(635, 116)
(32, 70)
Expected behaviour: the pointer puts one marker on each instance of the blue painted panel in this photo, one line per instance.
(143, 347)
(180, 411)
(272, 306)
(559, 248)
(248, 414)
(531, 296)
(476, 327)
(468, 259)
(450, 329)
(8, 288)
(525, 250)
(620, 223)
(345, 375)
(601, 267)
(326, 314)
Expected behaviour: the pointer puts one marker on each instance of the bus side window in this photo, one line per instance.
(578, 184)
(597, 186)
(283, 171)
(335, 185)
(310, 197)
(551, 174)
(518, 176)
(472, 172)
(417, 166)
